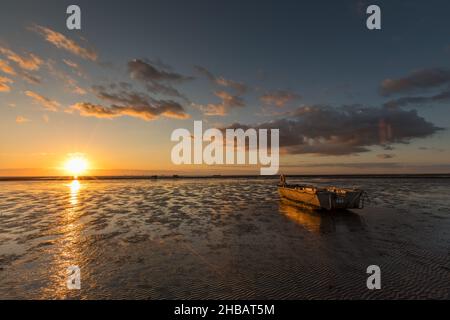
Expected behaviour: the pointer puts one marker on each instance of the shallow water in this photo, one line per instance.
(221, 238)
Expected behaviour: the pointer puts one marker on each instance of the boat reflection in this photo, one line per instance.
(317, 221)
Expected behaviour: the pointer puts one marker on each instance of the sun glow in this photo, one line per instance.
(76, 165)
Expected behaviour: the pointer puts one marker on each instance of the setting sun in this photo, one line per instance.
(76, 165)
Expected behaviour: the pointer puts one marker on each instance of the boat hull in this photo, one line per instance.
(323, 198)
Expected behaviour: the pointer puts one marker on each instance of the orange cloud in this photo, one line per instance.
(279, 98)
(146, 113)
(4, 87)
(62, 42)
(87, 109)
(6, 68)
(229, 102)
(212, 109)
(20, 120)
(47, 103)
(28, 62)
(176, 115)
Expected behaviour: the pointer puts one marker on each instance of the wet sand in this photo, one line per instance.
(221, 239)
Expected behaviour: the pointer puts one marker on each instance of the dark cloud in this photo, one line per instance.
(431, 149)
(418, 80)
(279, 98)
(33, 79)
(385, 156)
(382, 165)
(158, 80)
(205, 72)
(130, 103)
(122, 96)
(404, 101)
(326, 130)
(87, 109)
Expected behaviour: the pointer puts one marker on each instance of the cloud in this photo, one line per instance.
(418, 80)
(385, 156)
(205, 72)
(279, 98)
(156, 79)
(6, 68)
(325, 130)
(145, 71)
(240, 87)
(168, 109)
(75, 68)
(33, 79)
(229, 102)
(47, 103)
(21, 119)
(431, 149)
(62, 42)
(87, 109)
(404, 101)
(70, 83)
(145, 113)
(383, 166)
(28, 61)
(130, 103)
(126, 97)
(4, 87)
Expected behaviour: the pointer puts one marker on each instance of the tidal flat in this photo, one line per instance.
(221, 238)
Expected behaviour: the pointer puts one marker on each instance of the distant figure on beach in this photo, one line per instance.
(282, 180)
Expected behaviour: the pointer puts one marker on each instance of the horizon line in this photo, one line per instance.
(226, 176)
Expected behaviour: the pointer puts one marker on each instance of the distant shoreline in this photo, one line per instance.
(182, 177)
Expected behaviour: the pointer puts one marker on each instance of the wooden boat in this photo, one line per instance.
(329, 198)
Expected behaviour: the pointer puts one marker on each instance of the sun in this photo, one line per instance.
(76, 165)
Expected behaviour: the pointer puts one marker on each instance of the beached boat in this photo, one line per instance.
(329, 198)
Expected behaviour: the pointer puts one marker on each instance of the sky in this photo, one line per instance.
(345, 99)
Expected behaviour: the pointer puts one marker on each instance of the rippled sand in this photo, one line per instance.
(221, 238)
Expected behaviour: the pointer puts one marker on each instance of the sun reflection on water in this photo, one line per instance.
(69, 251)
(74, 190)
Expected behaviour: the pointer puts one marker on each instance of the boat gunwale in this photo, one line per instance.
(328, 189)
